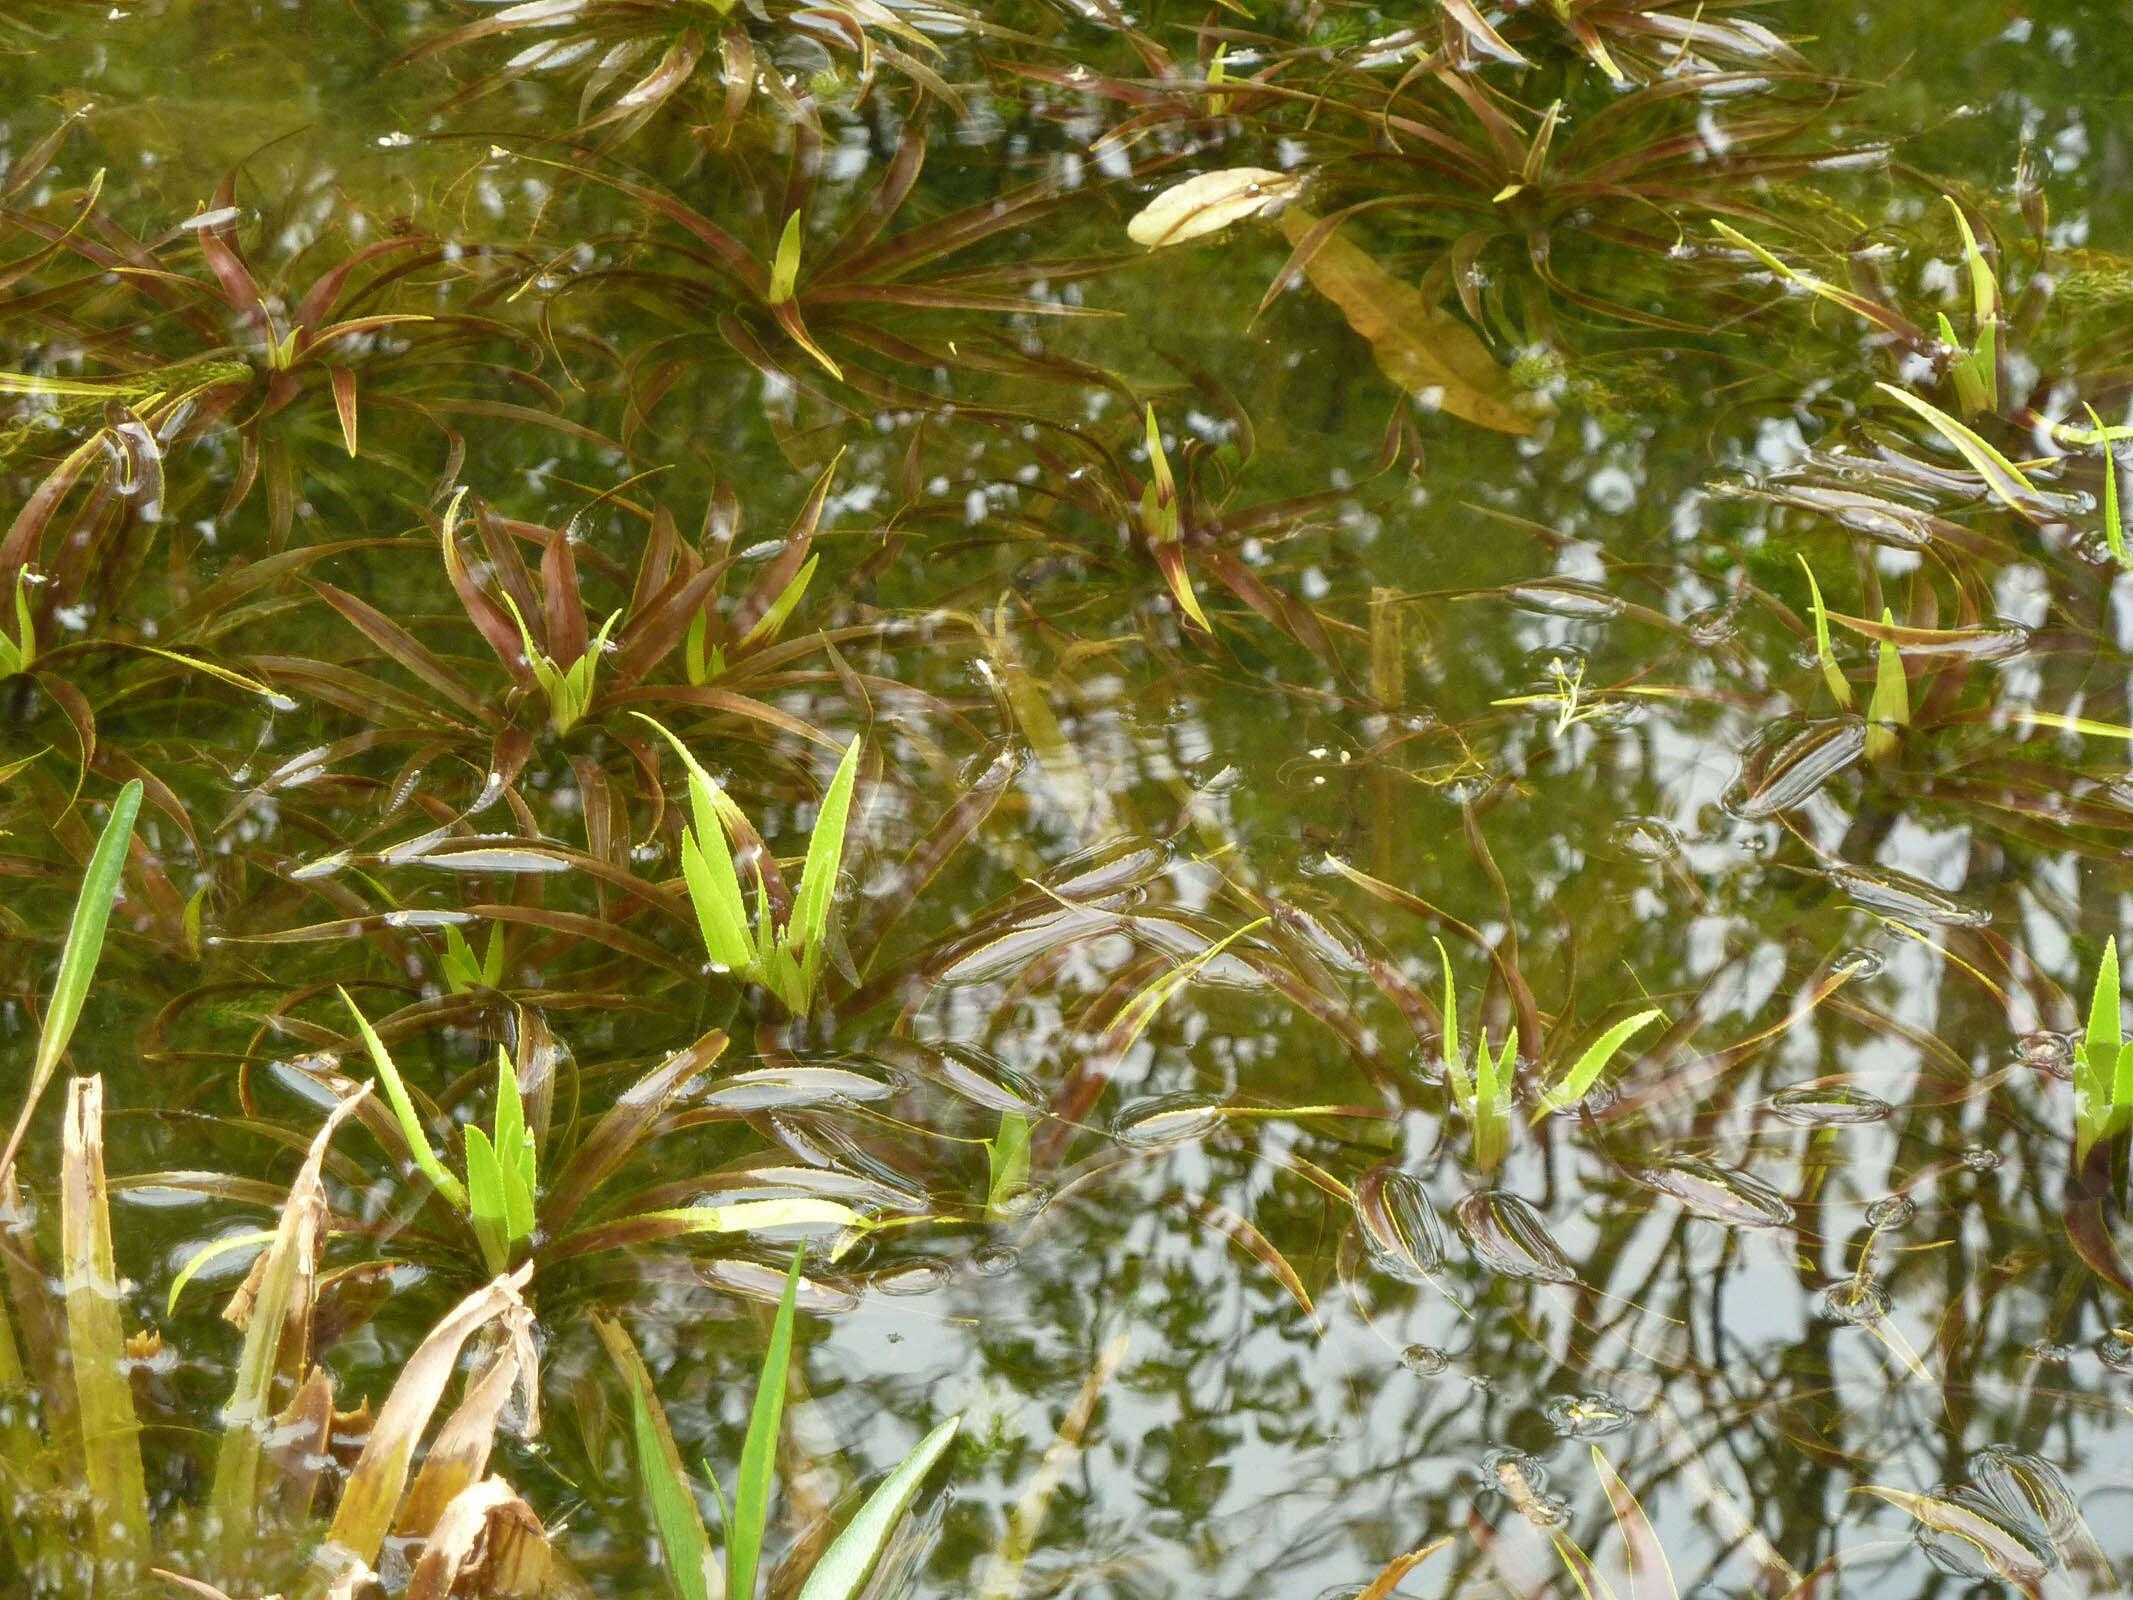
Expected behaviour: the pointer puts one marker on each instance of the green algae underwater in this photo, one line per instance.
(908, 799)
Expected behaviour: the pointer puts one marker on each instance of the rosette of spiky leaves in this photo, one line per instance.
(1573, 203)
(1484, 1087)
(289, 354)
(803, 280)
(634, 60)
(673, 637)
(522, 1191)
(75, 585)
(1640, 40)
(1184, 505)
(788, 944)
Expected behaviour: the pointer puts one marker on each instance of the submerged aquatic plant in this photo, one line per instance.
(1484, 1093)
(803, 280)
(77, 959)
(285, 356)
(63, 1337)
(841, 1570)
(497, 1197)
(787, 950)
(677, 622)
(645, 58)
(2103, 1070)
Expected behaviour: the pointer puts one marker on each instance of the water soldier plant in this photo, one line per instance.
(1484, 1092)
(789, 944)
(1618, 471)
(841, 1571)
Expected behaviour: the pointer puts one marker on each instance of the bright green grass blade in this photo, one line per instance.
(2092, 1096)
(2098, 1072)
(17, 654)
(2114, 527)
(210, 1252)
(782, 976)
(759, 1454)
(485, 1201)
(772, 621)
(418, 1141)
(1857, 304)
(709, 804)
(696, 664)
(1585, 1072)
(1492, 1100)
(1007, 1155)
(2103, 1035)
(2001, 476)
(1984, 293)
(1839, 685)
(714, 887)
(681, 1529)
(785, 266)
(461, 970)
(715, 895)
(844, 1566)
(78, 958)
(825, 856)
(1455, 1078)
(1970, 389)
(1135, 1015)
(577, 680)
(1890, 707)
(514, 1152)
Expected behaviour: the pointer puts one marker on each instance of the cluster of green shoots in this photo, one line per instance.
(569, 689)
(1484, 1092)
(844, 1568)
(1889, 711)
(784, 957)
(702, 661)
(2103, 1066)
(463, 970)
(497, 1196)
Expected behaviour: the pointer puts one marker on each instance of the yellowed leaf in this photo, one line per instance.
(1421, 347)
(1209, 203)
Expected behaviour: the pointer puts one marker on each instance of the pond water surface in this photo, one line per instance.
(1463, 604)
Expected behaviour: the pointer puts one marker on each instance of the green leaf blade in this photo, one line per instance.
(396, 1095)
(1839, 686)
(751, 1493)
(79, 956)
(674, 1515)
(485, 1201)
(2104, 1036)
(845, 1565)
(1585, 1072)
(825, 853)
(715, 895)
